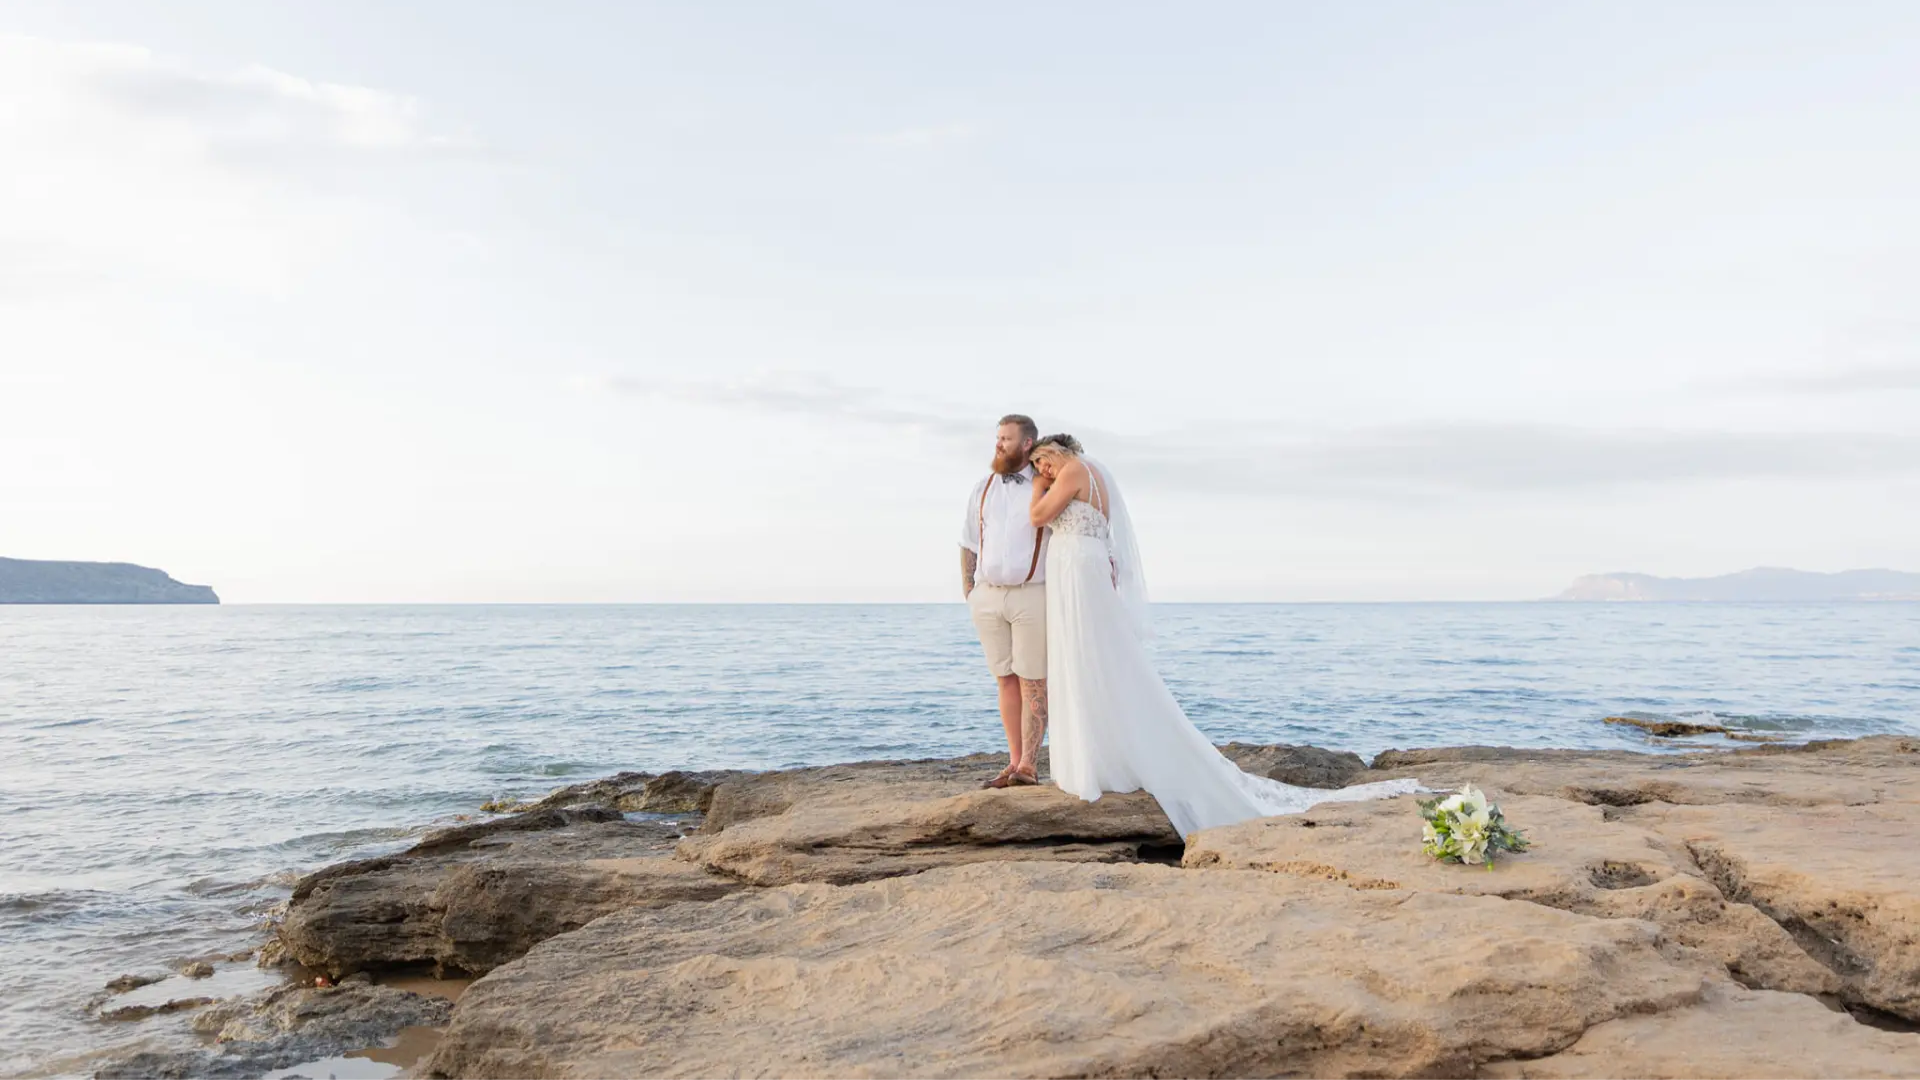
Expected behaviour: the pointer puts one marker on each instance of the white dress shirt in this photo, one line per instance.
(1010, 531)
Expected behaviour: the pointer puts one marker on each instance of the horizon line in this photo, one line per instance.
(906, 603)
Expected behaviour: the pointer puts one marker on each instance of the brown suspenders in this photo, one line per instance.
(1038, 534)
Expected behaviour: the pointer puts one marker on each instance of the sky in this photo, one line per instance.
(352, 301)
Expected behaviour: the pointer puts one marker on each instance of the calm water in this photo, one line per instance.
(165, 772)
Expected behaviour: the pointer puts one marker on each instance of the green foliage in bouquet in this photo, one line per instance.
(1465, 828)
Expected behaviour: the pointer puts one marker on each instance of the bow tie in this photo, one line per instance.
(1013, 478)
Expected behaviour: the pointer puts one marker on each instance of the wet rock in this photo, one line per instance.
(141, 1012)
(468, 899)
(639, 792)
(1399, 760)
(125, 983)
(172, 1065)
(1301, 766)
(352, 1014)
(1580, 861)
(286, 1027)
(1024, 969)
(1668, 729)
(199, 969)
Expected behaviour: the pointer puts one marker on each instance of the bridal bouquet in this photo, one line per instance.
(1465, 828)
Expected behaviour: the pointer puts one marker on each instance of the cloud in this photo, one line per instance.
(1536, 459)
(125, 166)
(926, 138)
(1864, 379)
(1381, 462)
(254, 105)
(806, 395)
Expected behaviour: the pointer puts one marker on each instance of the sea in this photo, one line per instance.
(166, 773)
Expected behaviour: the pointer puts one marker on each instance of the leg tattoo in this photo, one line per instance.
(1033, 722)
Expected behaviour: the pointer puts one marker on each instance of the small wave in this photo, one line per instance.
(1768, 723)
(1791, 728)
(354, 685)
(348, 838)
(78, 722)
(47, 906)
(279, 879)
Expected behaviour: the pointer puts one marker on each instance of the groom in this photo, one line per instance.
(1003, 571)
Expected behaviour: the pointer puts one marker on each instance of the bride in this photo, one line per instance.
(1115, 726)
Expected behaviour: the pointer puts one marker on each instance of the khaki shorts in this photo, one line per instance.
(1012, 621)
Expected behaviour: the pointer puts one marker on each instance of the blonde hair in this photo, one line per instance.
(1064, 445)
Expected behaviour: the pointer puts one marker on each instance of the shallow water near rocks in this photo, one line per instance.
(169, 772)
(373, 1063)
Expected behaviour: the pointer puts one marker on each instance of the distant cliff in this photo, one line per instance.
(30, 581)
(1763, 583)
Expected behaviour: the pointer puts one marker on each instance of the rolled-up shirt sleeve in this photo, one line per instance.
(970, 532)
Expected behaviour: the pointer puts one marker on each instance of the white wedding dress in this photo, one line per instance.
(1114, 725)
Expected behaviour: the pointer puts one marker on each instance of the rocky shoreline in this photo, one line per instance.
(1741, 913)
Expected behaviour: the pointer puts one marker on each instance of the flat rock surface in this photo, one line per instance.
(843, 842)
(1732, 1034)
(1018, 969)
(758, 795)
(1580, 861)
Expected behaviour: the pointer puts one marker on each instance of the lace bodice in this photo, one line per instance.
(1079, 518)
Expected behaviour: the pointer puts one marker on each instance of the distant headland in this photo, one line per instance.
(1760, 583)
(33, 581)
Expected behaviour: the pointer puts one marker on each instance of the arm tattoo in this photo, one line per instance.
(968, 561)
